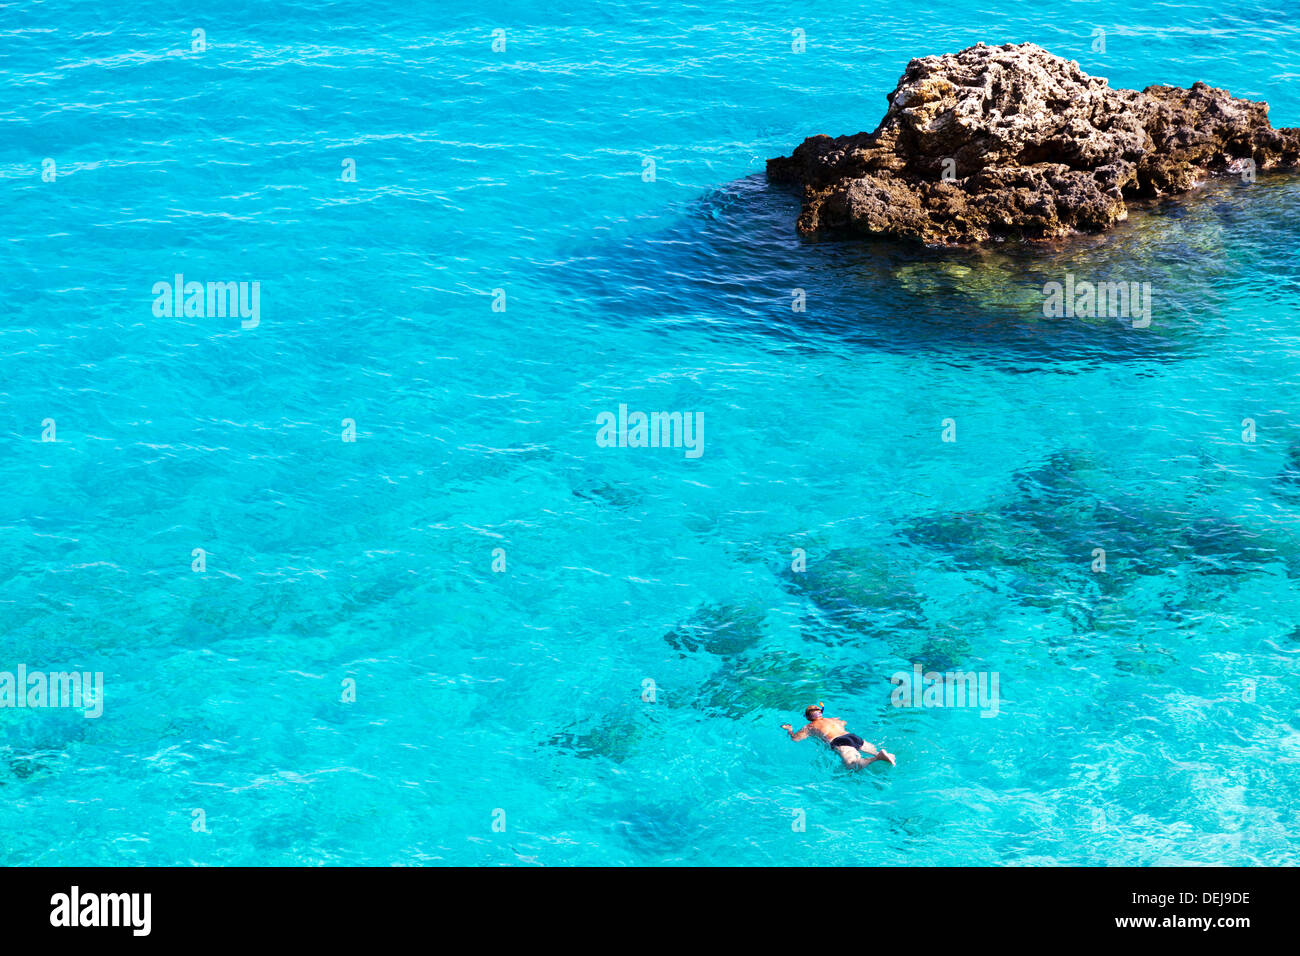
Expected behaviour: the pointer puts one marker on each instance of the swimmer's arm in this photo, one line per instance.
(800, 735)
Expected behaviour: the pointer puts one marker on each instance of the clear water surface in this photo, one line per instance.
(1147, 714)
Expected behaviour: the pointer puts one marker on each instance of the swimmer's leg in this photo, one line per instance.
(882, 754)
(851, 757)
(869, 755)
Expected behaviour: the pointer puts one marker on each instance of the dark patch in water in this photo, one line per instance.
(861, 589)
(657, 830)
(1040, 542)
(942, 652)
(1288, 479)
(735, 254)
(1222, 546)
(721, 630)
(742, 688)
(614, 737)
(1144, 661)
(607, 494)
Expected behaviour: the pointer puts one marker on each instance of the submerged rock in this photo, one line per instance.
(1011, 141)
(615, 737)
(778, 681)
(860, 588)
(1289, 478)
(942, 652)
(721, 630)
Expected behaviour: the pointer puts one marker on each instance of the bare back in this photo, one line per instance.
(827, 728)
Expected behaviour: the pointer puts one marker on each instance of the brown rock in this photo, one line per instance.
(1013, 142)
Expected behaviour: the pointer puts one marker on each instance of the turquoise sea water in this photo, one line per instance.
(1148, 713)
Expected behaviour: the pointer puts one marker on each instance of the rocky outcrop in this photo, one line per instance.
(1013, 142)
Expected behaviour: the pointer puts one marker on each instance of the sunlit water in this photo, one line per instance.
(1146, 713)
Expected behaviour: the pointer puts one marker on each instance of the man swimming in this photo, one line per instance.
(850, 747)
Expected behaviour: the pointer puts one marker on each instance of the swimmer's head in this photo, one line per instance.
(813, 711)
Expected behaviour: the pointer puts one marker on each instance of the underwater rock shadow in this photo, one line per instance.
(1039, 538)
(614, 733)
(731, 264)
(751, 679)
